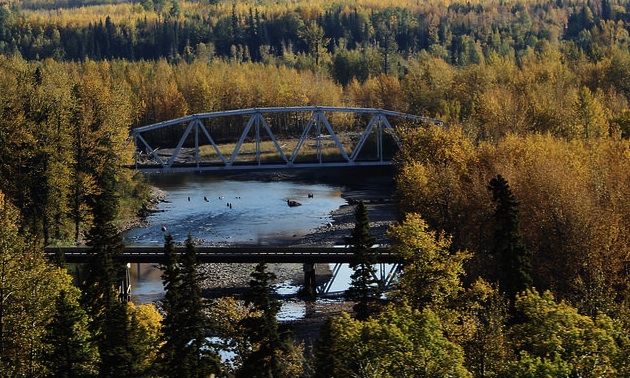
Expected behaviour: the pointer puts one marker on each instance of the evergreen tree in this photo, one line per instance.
(327, 362)
(103, 291)
(116, 345)
(201, 360)
(187, 351)
(364, 287)
(104, 271)
(514, 259)
(271, 345)
(71, 352)
(171, 304)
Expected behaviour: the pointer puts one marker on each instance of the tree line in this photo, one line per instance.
(351, 42)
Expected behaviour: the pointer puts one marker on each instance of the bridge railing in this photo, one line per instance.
(232, 254)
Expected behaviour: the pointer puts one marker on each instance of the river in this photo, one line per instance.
(220, 211)
(217, 211)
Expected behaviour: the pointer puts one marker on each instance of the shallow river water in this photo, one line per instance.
(220, 211)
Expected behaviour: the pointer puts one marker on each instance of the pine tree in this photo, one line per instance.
(271, 344)
(364, 287)
(513, 257)
(104, 271)
(71, 352)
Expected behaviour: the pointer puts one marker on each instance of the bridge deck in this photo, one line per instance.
(240, 254)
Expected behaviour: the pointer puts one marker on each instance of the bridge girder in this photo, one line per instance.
(314, 129)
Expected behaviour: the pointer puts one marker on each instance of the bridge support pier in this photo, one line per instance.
(310, 281)
(124, 290)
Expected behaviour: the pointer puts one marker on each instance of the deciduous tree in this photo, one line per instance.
(431, 272)
(399, 342)
(554, 340)
(29, 285)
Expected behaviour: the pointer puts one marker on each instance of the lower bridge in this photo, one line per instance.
(308, 256)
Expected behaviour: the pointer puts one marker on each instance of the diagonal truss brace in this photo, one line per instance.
(256, 120)
(380, 121)
(386, 275)
(316, 120)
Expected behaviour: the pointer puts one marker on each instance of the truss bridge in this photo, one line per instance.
(272, 138)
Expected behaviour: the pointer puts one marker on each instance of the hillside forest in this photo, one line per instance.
(514, 215)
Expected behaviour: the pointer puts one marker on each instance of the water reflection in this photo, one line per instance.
(218, 211)
(146, 283)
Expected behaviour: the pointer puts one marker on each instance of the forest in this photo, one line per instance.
(514, 223)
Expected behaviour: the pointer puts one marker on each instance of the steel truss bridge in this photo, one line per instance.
(388, 263)
(272, 138)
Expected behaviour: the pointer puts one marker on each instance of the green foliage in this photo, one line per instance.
(364, 287)
(29, 287)
(431, 272)
(187, 351)
(483, 333)
(399, 342)
(272, 351)
(554, 340)
(71, 351)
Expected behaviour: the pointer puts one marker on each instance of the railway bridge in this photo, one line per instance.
(272, 138)
(388, 262)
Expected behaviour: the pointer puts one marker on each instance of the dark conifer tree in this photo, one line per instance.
(71, 352)
(513, 258)
(270, 342)
(187, 351)
(171, 304)
(103, 293)
(364, 287)
(116, 345)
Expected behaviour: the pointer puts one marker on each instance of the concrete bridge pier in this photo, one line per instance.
(310, 284)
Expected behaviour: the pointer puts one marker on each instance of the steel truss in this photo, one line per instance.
(386, 275)
(317, 124)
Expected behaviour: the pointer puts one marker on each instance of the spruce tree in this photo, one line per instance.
(513, 257)
(171, 304)
(71, 352)
(269, 341)
(187, 351)
(103, 292)
(364, 287)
